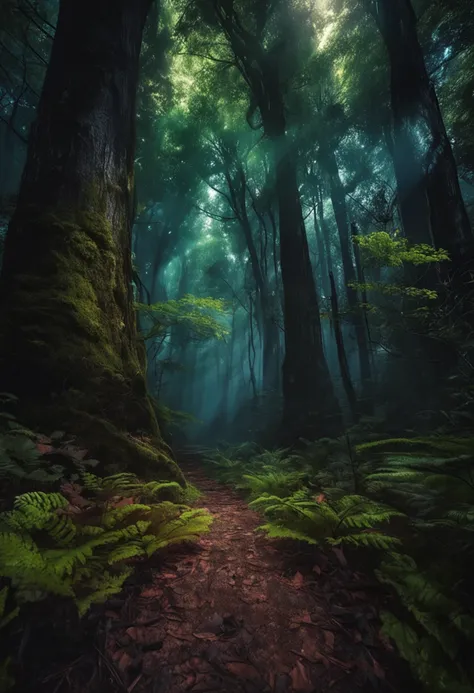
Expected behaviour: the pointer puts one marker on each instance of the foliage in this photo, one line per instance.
(77, 543)
(343, 493)
(393, 251)
(351, 520)
(395, 290)
(6, 680)
(431, 480)
(434, 640)
(202, 318)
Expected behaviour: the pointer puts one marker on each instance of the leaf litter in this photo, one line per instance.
(236, 613)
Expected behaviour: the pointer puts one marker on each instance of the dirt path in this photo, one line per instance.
(229, 615)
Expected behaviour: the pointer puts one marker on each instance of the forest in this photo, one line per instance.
(236, 346)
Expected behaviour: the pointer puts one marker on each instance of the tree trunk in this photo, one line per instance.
(341, 354)
(310, 406)
(340, 212)
(68, 344)
(426, 172)
(323, 259)
(237, 187)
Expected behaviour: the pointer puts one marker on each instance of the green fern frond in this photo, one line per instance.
(102, 588)
(374, 540)
(124, 552)
(276, 531)
(116, 515)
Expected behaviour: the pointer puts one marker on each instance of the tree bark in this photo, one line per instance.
(237, 188)
(341, 354)
(430, 197)
(342, 221)
(310, 405)
(68, 346)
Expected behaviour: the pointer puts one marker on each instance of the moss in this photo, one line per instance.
(116, 448)
(68, 343)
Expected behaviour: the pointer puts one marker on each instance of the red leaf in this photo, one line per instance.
(206, 636)
(124, 501)
(132, 632)
(300, 680)
(152, 593)
(329, 640)
(125, 662)
(243, 670)
(44, 449)
(298, 581)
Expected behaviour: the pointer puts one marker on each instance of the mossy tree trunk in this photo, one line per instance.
(69, 346)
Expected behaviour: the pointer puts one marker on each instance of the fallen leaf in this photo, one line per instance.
(169, 576)
(206, 636)
(123, 502)
(329, 639)
(243, 670)
(124, 662)
(317, 570)
(117, 654)
(300, 680)
(300, 619)
(44, 449)
(132, 632)
(152, 593)
(298, 581)
(378, 671)
(190, 681)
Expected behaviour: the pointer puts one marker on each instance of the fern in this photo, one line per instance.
(76, 566)
(424, 659)
(102, 588)
(273, 482)
(323, 521)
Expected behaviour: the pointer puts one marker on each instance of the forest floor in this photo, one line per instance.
(239, 613)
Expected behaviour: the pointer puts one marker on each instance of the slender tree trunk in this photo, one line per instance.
(68, 343)
(237, 188)
(324, 231)
(341, 354)
(325, 284)
(424, 162)
(340, 212)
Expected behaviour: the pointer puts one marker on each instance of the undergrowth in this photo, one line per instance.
(72, 534)
(345, 491)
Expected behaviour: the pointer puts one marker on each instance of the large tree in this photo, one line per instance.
(68, 345)
(431, 204)
(310, 405)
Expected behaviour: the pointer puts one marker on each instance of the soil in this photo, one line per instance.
(239, 613)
